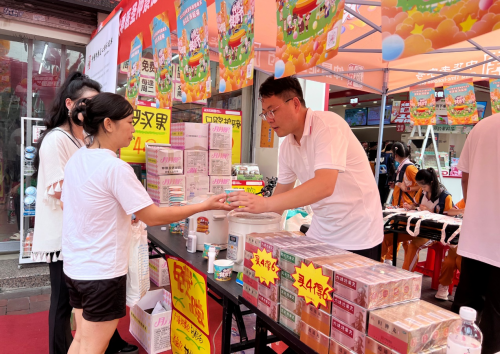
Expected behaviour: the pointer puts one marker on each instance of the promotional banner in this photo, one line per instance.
(400, 112)
(162, 56)
(421, 26)
(186, 338)
(423, 105)
(189, 292)
(211, 115)
(152, 125)
(461, 103)
(134, 70)
(102, 55)
(308, 34)
(235, 24)
(495, 95)
(194, 57)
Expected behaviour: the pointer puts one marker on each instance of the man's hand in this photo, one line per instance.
(252, 203)
(217, 202)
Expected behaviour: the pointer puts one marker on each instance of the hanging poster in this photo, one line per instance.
(186, 338)
(420, 26)
(194, 58)
(308, 34)
(162, 57)
(461, 103)
(495, 95)
(222, 116)
(400, 112)
(134, 70)
(423, 105)
(235, 24)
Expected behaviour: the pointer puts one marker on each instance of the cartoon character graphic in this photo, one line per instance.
(361, 299)
(359, 322)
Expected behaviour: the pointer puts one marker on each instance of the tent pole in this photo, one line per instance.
(381, 126)
(480, 47)
(357, 39)
(440, 72)
(338, 72)
(349, 78)
(363, 2)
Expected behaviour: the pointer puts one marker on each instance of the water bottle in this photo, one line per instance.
(465, 337)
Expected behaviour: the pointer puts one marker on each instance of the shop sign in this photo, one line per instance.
(221, 116)
(46, 80)
(400, 128)
(147, 87)
(189, 292)
(312, 285)
(265, 267)
(448, 129)
(152, 125)
(185, 337)
(400, 112)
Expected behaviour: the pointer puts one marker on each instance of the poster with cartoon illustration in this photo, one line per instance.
(308, 34)
(495, 95)
(194, 58)
(412, 27)
(162, 57)
(461, 103)
(134, 70)
(235, 26)
(423, 105)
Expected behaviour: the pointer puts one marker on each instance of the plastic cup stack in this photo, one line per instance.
(175, 198)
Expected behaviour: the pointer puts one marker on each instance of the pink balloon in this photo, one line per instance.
(485, 4)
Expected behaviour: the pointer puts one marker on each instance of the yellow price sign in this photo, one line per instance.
(312, 285)
(265, 267)
(222, 116)
(186, 337)
(189, 292)
(152, 125)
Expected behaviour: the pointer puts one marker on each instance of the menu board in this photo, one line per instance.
(356, 117)
(374, 115)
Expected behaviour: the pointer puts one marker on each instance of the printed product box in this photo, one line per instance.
(164, 160)
(291, 301)
(289, 319)
(271, 292)
(337, 348)
(253, 241)
(196, 185)
(152, 331)
(250, 279)
(157, 186)
(268, 307)
(350, 313)
(253, 187)
(220, 136)
(293, 257)
(196, 162)
(287, 281)
(348, 336)
(251, 294)
(219, 183)
(247, 262)
(411, 327)
(314, 338)
(316, 318)
(220, 162)
(374, 347)
(189, 136)
(158, 271)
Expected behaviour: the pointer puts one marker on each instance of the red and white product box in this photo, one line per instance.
(164, 160)
(220, 136)
(271, 292)
(314, 339)
(250, 294)
(291, 301)
(189, 136)
(220, 183)
(196, 185)
(348, 336)
(374, 347)
(270, 308)
(337, 348)
(195, 162)
(219, 162)
(158, 271)
(350, 313)
(316, 318)
(158, 186)
(250, 279)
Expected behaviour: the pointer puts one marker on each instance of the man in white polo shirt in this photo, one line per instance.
(479, 244)
(320, 151)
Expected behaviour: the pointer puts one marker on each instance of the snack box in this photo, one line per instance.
(218, 184)
(292, 257)
(316, 318)
(374, 347)
(253, 240)
(163, 160)
(250, 294)
(250, 279)
(157, 186)
(220, 136)
(219, 162)
(348, 336)
(350, 313)
(337, 348)
(291, 301)
(314, 339)
(268, 307)
(411, 327)
(271, 292)
(196, 162)
(287, 281)
(289, 319)
(189, 136)
(196, 186)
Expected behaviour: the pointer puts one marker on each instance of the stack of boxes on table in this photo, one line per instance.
(375, 308)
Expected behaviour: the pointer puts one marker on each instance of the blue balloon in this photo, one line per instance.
(157, 103)
(184, 97)
(342, 30)
(279, 69)
(222, 85)
(392, 47)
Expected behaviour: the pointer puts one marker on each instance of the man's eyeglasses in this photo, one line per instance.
(270, 114)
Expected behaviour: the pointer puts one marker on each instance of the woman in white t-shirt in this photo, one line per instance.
(100, 194)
